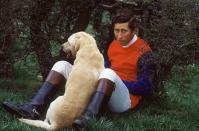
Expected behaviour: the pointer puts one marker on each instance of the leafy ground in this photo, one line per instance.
(177, 112)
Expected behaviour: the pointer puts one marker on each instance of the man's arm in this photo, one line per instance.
(146, 72)
(107, 63)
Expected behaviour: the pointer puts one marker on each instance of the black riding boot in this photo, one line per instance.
(97, 105)
(43, 97)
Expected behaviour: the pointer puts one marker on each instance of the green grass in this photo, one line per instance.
(179, 111)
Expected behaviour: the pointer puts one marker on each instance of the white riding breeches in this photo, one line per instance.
(63, 67)
(120, 99)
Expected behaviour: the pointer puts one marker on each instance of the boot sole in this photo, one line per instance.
(12, 110)
(9, 109)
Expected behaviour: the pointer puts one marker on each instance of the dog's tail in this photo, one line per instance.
(38, 123)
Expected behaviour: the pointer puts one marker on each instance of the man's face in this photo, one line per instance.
(123, 33)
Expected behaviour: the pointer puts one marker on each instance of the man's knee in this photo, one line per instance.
(62, 67)
(108, 74)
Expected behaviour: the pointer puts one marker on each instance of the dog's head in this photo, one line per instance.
(73, 44)
(69, 46)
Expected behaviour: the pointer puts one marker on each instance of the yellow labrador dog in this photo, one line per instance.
(80, 85)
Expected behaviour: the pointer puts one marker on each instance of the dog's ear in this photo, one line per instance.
(77, 43)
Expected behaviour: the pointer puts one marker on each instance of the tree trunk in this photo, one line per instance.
(83, 18)
(39, 39)
(7, 39)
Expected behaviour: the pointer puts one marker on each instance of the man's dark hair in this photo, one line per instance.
(123, 16)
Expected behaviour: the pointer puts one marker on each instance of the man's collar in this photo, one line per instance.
(131, 42)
